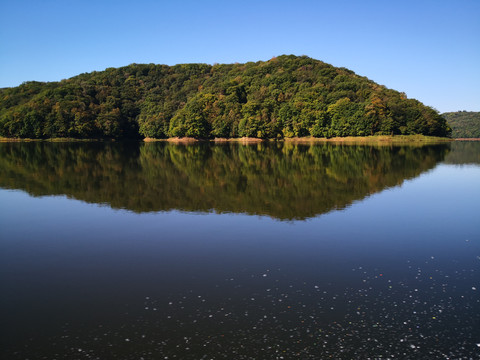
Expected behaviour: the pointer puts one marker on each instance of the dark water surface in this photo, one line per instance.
(270, 251)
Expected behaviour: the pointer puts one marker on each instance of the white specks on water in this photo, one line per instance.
(417, 313)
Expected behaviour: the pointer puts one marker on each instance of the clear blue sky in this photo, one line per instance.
(428, 49)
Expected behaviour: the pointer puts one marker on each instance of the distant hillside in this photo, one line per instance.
(464, 124)
(286, 96)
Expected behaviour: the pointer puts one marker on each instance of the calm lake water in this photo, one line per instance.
(270, 251)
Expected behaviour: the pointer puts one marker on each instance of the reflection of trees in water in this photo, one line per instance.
(463, 153)
(285, 181)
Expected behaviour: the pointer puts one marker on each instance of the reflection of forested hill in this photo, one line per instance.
(463, 153)
(284, 181)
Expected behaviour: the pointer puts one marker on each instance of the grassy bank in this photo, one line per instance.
(375, 140)
(4, 139)
(370, 140)
(187, 140)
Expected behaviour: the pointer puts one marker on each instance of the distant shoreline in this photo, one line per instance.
(375, 140)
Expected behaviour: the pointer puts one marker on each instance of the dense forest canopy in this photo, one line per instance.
(465, 124)
(287, 96)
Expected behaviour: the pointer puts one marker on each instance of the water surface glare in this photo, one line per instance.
(271, 251)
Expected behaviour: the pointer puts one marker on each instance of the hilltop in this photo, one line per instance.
(287, 96)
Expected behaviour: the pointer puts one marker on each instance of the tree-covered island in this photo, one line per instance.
(287, 96)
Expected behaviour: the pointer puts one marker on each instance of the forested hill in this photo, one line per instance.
(465, 124)
(286, 96)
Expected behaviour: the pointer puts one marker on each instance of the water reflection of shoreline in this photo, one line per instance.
(464, 153)
(284, 181)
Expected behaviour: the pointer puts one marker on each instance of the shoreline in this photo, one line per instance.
(349, 140)
(375, 140)
(188, 140)
(2, 139)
